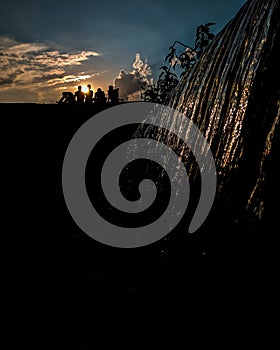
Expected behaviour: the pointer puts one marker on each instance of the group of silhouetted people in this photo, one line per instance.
(87, 98)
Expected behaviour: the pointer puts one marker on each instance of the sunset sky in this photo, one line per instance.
(50, 46)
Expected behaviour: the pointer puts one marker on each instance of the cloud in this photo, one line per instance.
(22, 49)
(142, 68)
(35, 66)
(56, 59)
(131, 84)
(68, 79)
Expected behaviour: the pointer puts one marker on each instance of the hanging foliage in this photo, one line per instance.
(178, 63)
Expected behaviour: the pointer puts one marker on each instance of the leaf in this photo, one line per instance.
(209, 24)
(168, 56)
(165, 68)
(173, 74)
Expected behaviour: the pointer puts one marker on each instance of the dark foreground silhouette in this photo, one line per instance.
(77, 291)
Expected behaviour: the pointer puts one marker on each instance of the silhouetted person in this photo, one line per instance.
(116, 95)
(67, 97)
(113, 94)
(79, 96)
(110, 93)
(99, 97)
(89, 95)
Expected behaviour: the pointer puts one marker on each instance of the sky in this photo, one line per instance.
(51, 46)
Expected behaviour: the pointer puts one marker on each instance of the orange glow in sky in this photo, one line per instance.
(84, 88)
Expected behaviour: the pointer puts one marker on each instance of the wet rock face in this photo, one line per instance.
(233, 96)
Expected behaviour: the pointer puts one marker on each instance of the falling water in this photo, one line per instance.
(233, 98)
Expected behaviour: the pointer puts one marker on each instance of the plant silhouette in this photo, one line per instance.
(178, 63)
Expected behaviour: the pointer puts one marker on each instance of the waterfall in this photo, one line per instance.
(232, 95)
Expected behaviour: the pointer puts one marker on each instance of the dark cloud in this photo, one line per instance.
(128, 84)
(5, 81)
(131, 84)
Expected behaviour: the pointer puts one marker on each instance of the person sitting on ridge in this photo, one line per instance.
(67, 97)
(89, 95)
(99, 97)
(113, 94)
(79, 96)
